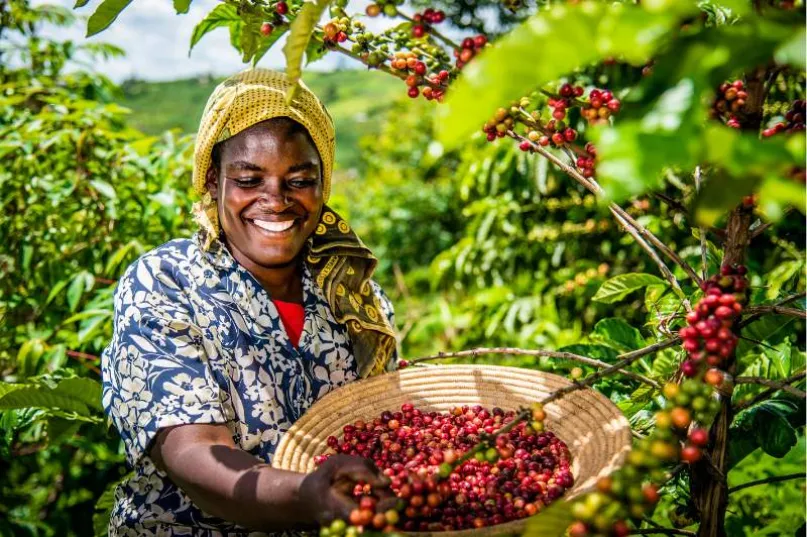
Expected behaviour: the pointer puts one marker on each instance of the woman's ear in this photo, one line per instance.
(212, 182)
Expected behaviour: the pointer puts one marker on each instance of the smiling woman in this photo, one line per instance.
(223, 341)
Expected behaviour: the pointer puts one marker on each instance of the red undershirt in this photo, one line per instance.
(293, 317)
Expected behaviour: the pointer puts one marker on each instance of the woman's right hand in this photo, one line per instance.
(328, 491)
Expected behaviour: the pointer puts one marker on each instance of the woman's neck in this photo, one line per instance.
(282, 282)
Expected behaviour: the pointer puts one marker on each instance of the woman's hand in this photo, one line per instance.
(329, 489)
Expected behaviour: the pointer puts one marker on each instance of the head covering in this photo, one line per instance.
(340, 263)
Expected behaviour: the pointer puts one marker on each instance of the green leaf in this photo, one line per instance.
(537, 53)
(182, 6)
(777, 193)
(76, 290)
(297, 42)
(551, 522)
(78, 395)
(221, 15)
(637, 400)
(266, 42)
(619, 334)
(792, 51)
(60, 429)
(249, 39)
(769, 425)
(104, 188)
(55, 290)
(105, 15)
(80, 3)
(28, 357)
(618, 287)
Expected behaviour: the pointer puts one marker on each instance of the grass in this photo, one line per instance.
(353, 98)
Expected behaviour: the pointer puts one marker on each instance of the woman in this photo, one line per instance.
(222, 341)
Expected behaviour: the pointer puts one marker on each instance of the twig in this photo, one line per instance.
(781, 310)
(774, 479)
(626, 359)
(701, 229)
(767, 393)
(774, 384)
(536, 352)
(83, 359)
(431, 30)
(756, 315)
(662, 531)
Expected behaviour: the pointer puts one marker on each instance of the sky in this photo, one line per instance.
(156, 42)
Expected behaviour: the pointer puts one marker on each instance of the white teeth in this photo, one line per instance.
(276, 227)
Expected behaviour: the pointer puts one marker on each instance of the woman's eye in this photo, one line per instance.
(302, 183)
(246, 182)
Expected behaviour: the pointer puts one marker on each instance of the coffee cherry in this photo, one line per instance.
(699, 437)
(714, 377)
(680, 417)
(282, 8)
(691, 454)
(373, 10)
(266, 28)
(413, 92)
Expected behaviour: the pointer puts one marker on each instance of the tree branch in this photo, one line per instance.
(778, 385)
(662, 531)
(757, 314)
(781, 310)
(431, 30)
(539, 353)
(767, 393)
(774, 479)
(626, 359)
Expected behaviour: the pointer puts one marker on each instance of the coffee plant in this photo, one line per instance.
(619, 182)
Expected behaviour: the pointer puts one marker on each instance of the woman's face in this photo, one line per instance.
(269, 192)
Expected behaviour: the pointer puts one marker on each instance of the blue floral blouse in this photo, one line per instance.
(198, 340)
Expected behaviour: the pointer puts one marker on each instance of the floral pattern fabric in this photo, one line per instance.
(198, 340)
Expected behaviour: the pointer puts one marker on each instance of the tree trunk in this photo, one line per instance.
(709, 486)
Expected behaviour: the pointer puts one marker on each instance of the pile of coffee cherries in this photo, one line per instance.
(794, 120)
(440, 486)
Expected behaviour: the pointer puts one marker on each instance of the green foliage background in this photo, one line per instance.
(480, 245)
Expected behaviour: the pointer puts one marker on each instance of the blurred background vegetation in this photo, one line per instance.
(478, 246)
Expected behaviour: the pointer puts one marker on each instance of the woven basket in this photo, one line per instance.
(597, 433)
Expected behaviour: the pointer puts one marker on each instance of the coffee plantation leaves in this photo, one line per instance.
(221, 15)
(538, 52)
(297, 43)
(619, 334)
(77, 394)
(769, 425)
(182, 6)
(105, 15)
(621, 286)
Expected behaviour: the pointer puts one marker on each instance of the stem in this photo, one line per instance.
(785, 386)
(83, 359)
(626, 359)
(767, 393)
(662, 531)
(431, 31)
(534, 352)
(793, 312)
(701, 230)
(774, 479)
(757, 313)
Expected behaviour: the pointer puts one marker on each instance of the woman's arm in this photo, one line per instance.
(231, 484)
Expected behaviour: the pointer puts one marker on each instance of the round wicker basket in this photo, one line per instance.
(597, 433)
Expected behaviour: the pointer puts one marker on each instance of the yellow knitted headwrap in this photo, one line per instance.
(243, 100)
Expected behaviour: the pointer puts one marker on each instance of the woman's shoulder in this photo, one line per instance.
(166, 269)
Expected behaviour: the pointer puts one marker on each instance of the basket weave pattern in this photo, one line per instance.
(597, 433)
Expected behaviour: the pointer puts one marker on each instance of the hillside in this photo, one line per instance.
(352, 98)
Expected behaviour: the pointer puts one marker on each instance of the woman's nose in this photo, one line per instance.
(275, 195)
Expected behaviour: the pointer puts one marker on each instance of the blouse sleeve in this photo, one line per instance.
(155, 371)
(386, 308)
